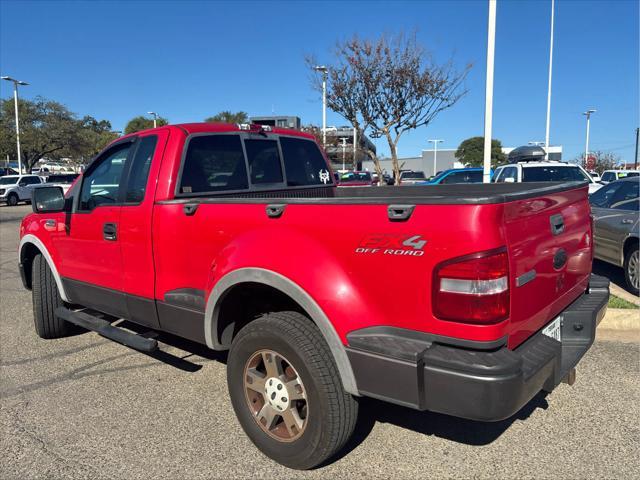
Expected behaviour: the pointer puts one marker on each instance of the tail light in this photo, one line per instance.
(473, 288)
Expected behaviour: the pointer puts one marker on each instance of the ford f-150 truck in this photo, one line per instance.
(462, 299)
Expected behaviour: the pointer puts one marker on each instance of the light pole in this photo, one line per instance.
(488, 99)
(586, 145)
(155, 119)
(344, 150)
(435, 142)
(323, 70)
(546, 137)
(15, 98)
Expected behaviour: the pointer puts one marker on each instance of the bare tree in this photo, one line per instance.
(601, 161)
(388, 87)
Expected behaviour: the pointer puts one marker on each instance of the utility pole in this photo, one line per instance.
(435, 142)
(15, 99)
(635, 158)
(546, 138)
(323, 70)
(488, 103)
(586, 144)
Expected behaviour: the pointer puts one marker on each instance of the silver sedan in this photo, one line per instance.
(615, 211)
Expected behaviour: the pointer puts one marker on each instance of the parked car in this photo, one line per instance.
(615, 212)
(290, 274)
(595, 175)
(63, 180)
(17, 188)
(613, 175)
(543, 171)
(355, 179)
(411, 177)
(456, 175)
(4, 171)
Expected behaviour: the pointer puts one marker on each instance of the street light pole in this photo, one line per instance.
(546, 138)
(344, 149)
(488, 103)
(323, 70)
(435, 142)
(15, 99)
(155, 119)
(586, 145)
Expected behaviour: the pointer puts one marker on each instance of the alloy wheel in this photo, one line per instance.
(275, 395)
(633, 267)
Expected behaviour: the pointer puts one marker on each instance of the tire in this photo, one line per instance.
(12, 200)
(632, 269)
(327, 413)
(46, 298)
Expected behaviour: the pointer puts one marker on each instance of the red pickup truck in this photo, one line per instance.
(461, 299)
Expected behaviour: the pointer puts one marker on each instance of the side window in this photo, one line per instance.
(140, 166)
(608, 177)
(603, 197)
(264, 162)
(626, 198)
(214, 163)
(304, 163)
(509, 174)
(31, 180)
(456, 177)
(496, 175)
(101, 184)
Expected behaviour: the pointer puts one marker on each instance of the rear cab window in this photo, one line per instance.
(552, 173)
(238, 162)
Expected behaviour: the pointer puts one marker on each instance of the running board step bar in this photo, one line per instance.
(107, 330)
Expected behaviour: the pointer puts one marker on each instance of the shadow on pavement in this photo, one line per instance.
(455, 429)
(613, 273)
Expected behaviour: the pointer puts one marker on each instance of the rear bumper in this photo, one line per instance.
(484, 383)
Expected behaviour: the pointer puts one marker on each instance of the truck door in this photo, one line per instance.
(90, 248)
(138, 280)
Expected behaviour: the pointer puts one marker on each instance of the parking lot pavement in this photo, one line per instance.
(84, 407)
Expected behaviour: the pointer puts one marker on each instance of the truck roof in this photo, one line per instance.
(206, 127)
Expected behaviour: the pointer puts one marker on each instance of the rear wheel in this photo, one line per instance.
(46, 298)
(12, 200)
(286, 391)
(632, 269)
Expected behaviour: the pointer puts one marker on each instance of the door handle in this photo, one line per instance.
(110, 231)
(627, 221)
(557, 224)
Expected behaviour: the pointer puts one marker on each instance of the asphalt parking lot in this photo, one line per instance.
(84, 407)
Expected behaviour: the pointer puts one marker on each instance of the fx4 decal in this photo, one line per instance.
(392, 244)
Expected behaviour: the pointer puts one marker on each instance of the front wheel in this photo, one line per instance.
(12, 200)
(46, 298)
(632, 269)
(286, 391)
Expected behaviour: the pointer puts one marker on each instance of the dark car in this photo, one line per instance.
(615, 212)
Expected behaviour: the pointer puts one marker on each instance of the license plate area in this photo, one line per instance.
(554, 329)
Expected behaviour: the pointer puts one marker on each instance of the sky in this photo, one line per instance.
(188, 60)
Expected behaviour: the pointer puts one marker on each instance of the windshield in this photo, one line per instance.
(355, 177)
(553, 174)
(439, 176)
(8, 180)
(412, 175)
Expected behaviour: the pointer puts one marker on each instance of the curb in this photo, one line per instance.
(623, 294)
(621, 319)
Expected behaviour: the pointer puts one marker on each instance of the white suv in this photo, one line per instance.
(17, 188)
(543, 171)
(613, 175)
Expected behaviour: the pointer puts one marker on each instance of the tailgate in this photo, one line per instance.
(549, 240)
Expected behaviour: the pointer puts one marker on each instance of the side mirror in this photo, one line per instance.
(47, 200)
(509, 180)
(22, 184)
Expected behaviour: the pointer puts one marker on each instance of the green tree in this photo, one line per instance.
(471, 152)
(143, 123)
(229, 117)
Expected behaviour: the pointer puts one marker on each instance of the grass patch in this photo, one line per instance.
(617, 302)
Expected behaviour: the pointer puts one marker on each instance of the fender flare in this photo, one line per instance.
(35, 241)
(297, 293)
